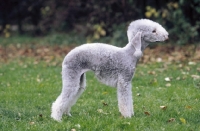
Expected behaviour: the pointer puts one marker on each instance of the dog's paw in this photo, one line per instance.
(58, 119)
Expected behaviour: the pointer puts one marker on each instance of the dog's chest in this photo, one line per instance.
(109, 75)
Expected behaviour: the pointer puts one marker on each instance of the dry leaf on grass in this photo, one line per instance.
(102, 112)
(178, 78)
(168, 85)
(183, 120)
(31, 123)
(147, 113)
(163, 107)
(188, 107)
(105, 104)
(195, 76)
(171, 120)
(138, 94)
(159, 60)
(154, 82)
(191, 63)
(152, 72)
(167, 79)
(170, 53)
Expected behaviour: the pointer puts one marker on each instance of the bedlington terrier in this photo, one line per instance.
(113, 66)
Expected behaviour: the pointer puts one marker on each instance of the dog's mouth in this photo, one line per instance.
(165, 38)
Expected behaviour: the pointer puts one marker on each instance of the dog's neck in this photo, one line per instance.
(130, 49)
(144, 45)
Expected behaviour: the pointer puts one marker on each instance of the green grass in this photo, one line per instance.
(27, 91)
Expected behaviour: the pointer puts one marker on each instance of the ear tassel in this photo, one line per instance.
(136, 42)
(138, 54)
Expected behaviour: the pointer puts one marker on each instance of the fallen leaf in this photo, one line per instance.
(188, 107)
(195, 76)
(19, 114)
(44, 52)
(105, 104)
(191, 63)
(8, 84)
(185, 73)
(167, 79)
(40, 115)
(163, 107)
(187, 68)
(17, 118)
(154, 82)
(100, 110)
(147, 113)
(138, 94)
(183, 120)
(31, 123)
(168, 85)
(171, 120)
(180, 65)
(159, 60)
(151, 72)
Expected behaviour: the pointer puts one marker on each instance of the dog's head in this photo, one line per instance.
(151, 31)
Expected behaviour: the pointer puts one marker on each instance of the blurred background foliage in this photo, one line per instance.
(95, 19)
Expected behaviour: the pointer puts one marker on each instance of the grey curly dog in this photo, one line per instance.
(113, 66)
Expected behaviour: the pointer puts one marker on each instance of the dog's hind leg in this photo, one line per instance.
(71, 85)
(80, 91)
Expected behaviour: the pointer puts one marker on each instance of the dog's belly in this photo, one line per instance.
(107, 77)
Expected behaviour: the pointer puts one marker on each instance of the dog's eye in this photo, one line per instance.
(154, 31)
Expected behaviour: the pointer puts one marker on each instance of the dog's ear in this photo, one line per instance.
(130, 35)
(136, 42)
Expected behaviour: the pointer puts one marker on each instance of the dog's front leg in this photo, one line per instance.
(124, 95)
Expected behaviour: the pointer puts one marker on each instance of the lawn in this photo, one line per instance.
(166, 97)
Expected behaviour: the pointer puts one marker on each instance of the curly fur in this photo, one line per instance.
(113, 66)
